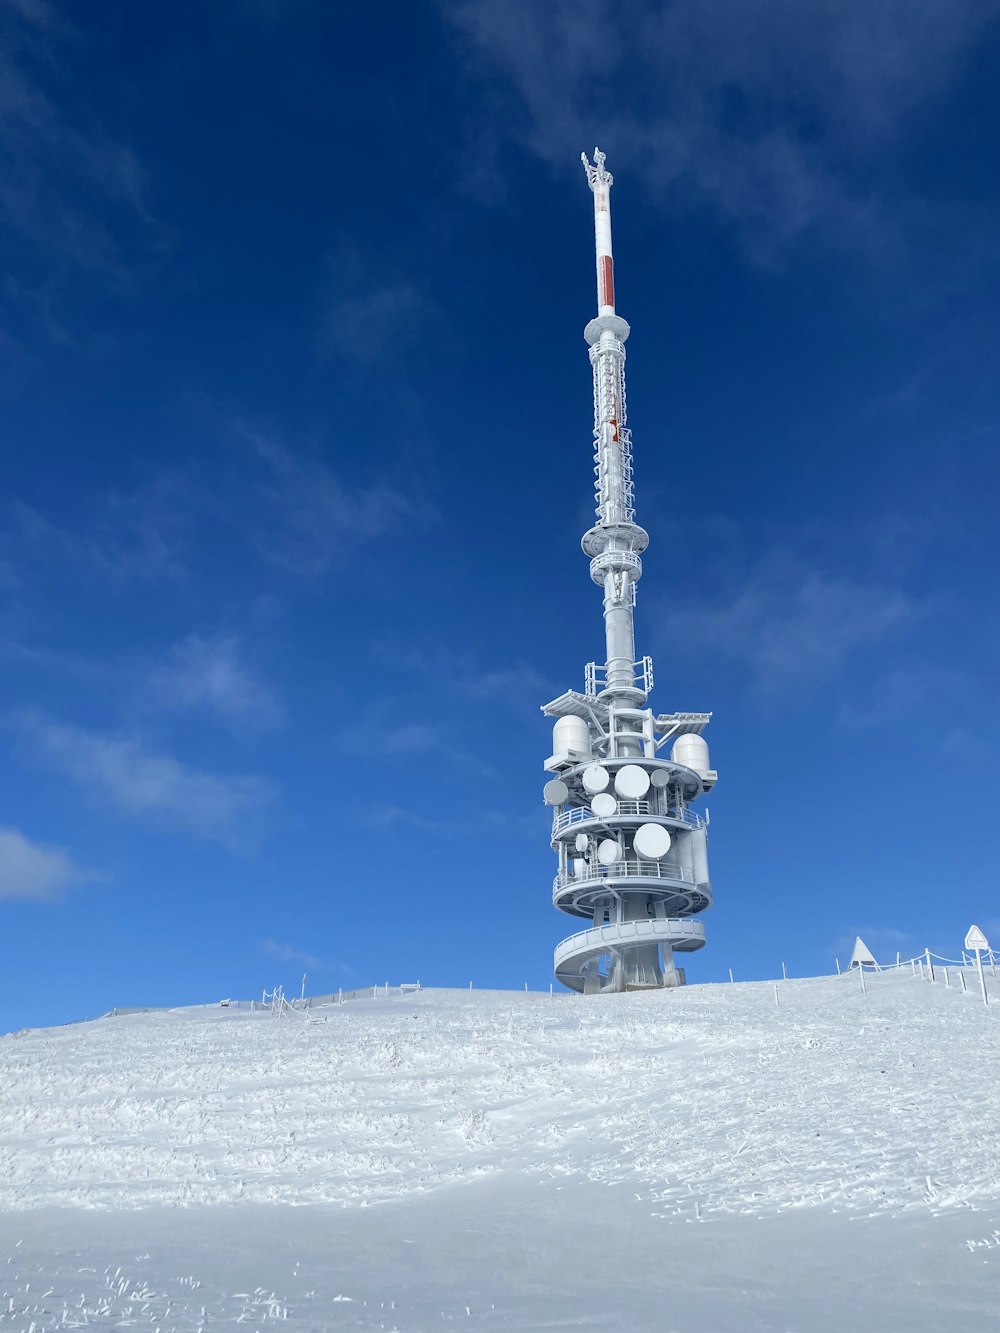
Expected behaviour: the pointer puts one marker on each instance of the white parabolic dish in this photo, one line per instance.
(604, 805)
(651, 841)
(608, 852)
(595, 778)
(631, 782)
(581, 842)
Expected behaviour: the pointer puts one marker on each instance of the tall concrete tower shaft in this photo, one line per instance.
(632, 852)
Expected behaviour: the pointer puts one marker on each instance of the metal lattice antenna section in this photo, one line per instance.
(633, 859)
(616, 541)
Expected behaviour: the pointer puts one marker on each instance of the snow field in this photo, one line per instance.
(701, 1159)
(706, 1101)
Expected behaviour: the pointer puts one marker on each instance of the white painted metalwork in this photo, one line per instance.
(632, 942)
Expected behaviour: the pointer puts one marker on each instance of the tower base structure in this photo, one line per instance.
(632, 852)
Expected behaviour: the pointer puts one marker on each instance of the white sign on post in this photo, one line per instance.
(977, 941)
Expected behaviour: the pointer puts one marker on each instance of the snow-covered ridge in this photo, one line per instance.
(707, 1100)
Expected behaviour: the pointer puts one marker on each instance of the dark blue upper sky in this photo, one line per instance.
(296, 417)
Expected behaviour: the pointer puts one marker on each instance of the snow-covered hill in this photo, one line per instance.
(701, 1158)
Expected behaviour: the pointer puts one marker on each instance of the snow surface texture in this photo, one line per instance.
(537, 1162)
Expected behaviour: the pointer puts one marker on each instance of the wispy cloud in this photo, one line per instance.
(34, 871)
(907, 687)
(791, 624)
(140, 782)
(369, 309)
(316, 515)
(209, 673)
(285, 953)
(386, 815)
(73, 196)
(766, 112)
(407, 740)
(138, 533)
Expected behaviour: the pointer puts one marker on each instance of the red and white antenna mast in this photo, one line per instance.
(601, 181)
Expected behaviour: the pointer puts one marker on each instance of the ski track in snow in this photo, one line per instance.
(706, 1104)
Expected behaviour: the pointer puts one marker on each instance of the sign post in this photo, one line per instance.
(976, 940)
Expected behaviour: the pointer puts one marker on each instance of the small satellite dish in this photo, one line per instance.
(604, 805)
(659, 777)
(582, 842)
(579, 867)
(595, 778)
(608, 852)
(651, 841)
(555, 792)
(632, 782)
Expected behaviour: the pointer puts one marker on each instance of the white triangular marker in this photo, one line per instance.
(861, 955)
(976, 939)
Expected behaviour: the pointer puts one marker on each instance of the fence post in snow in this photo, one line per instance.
(913, 966)
(961, 977)
(930, 965)
(947, 980)
(340, 995)
(784, 972)
(730, 974)
(837, 961)
(861, 974)
(776, 1000)
(525, 988)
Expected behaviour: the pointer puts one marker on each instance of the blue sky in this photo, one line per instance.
(295, 408)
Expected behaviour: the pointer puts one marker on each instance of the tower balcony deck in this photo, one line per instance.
(572, 954)
(675, 887)
(578, 816)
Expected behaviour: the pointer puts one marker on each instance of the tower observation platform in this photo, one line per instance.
(632, 847)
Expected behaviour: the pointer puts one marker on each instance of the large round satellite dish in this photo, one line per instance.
(555, 792)
(659, 777)
(595, 778)
(651, 841)
(632, 782)
(604, 805)
(582, 842)
(608, 852)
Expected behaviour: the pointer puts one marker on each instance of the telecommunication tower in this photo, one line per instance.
(633, 853)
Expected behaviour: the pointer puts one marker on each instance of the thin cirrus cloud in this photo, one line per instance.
(73, 197)
(764, 111)
(287, 953)
(209, 674)
(315, 515)
(792, 626)
(139, 533)
(33, 871)
(133, 779)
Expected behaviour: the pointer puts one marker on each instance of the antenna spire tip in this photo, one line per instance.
(597, 174)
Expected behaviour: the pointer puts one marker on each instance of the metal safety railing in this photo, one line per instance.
(595, 676)
(579, 814)
(626, 868)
